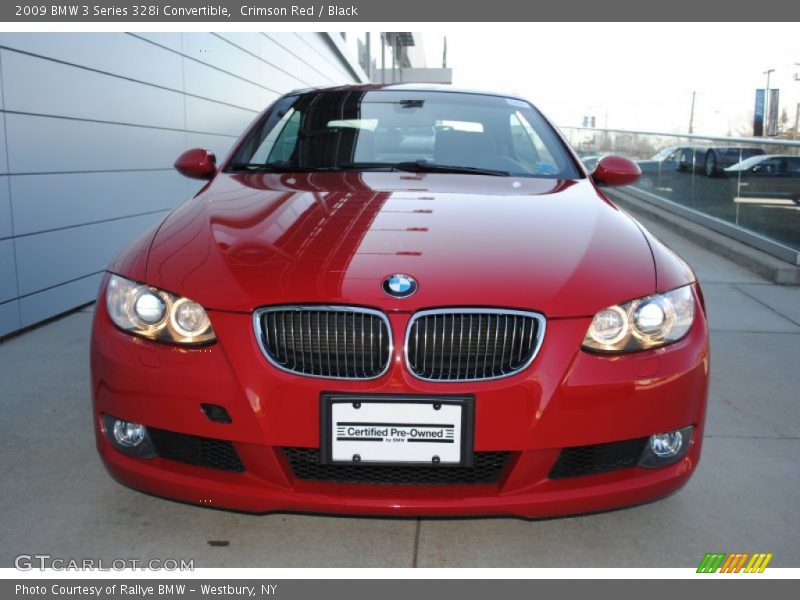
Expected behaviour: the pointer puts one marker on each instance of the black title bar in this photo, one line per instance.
(383, 11)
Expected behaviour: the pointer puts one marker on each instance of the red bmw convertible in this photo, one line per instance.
(401, 300)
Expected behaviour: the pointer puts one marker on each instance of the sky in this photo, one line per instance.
(628, 75)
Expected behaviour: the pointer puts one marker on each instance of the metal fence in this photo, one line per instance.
(748, 188)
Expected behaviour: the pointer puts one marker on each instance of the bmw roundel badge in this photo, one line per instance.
(399, 285)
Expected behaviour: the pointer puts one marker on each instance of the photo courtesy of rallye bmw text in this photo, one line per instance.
(446, 310)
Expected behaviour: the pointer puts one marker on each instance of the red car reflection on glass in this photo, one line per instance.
(401, 300)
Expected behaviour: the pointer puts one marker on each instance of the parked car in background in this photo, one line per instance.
(590, 162)
(718, 158)
(771, 176)
(660, 170)
(691, 159)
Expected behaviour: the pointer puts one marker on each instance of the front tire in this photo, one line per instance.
(646, 183)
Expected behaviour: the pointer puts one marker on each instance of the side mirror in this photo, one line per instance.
(197, 164)
(614, 170)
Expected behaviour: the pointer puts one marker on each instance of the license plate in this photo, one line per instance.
(396, 430)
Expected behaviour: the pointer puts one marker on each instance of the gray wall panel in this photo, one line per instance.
(46, 304)
(173, 41)
(268, 98)
(44, 202)
(9, 317)
(211, 117)
(285, 81)
(305, 62)
(8, 271)
(118, 53)
(291, 41)
(97, 121)
(47, 259)
(192, 186)
(325, 55)
(3, 157)
(216, 52)
(247, 40)
(5, 209)
(44, 144)
(42, 86)
(208, 82)
(273, 53)
(218, 144)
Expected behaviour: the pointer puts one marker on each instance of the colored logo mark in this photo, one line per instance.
(738, 562)
(399, 285)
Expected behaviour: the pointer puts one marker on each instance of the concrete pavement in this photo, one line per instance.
(57, 499)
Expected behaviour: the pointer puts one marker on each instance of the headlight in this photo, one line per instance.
(643, 323)
(156, 314)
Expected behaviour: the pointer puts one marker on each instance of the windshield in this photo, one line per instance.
(736, 152)
(664, 153)
(747, 163)
(405, 130)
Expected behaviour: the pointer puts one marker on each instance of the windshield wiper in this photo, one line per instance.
(423, 166)
(358, 166)
(419, 166)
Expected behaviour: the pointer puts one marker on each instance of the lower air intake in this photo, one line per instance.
(600, 458)
(195, 450)
(487, 467)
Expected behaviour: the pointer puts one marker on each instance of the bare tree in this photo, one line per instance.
(783, 125)
(742, 125)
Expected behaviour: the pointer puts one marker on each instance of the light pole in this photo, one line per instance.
(797, 110)
(368, 43)
(383, 57)
(768, 72)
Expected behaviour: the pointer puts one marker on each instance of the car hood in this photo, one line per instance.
(250, 240)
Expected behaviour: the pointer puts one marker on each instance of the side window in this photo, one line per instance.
(793, 166)
(772, 166)
(691, 157)
(528, 146)
(279, 145)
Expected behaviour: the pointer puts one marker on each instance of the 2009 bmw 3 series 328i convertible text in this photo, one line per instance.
(401, 300)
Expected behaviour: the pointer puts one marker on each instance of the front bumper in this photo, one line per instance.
(566, 398)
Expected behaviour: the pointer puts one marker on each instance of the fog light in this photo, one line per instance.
(666, 448)
(128, 437)
(666, 445)
(129, 434)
